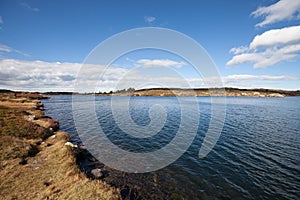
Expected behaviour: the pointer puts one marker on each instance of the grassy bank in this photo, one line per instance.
(35, 163)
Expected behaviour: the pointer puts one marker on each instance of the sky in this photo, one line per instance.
(254, 44)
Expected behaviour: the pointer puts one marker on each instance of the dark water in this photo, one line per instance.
(256, 157)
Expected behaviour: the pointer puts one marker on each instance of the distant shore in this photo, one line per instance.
(204, 92)
(233, 92)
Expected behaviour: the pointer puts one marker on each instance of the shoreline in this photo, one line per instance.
(37, 161)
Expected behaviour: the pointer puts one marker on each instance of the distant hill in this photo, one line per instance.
(205, 92)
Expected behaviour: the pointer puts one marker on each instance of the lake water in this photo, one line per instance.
(256, 157)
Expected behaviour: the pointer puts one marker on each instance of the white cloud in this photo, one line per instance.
(238, 50)
(53, 76)
(1, 22)
(258, 81)
(27, 6)
(245, 77)
(8, 49)
(247, 81)
(160, 63)
(270, 48)
(280, 11)
(62, 76)
(276, 37)
(5, 48)
(149, 19)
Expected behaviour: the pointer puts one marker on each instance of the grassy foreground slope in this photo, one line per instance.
(35, 163)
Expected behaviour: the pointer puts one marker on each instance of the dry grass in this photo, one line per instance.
(51, 174)
(32, 168)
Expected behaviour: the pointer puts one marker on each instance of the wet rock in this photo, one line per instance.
(97, 173)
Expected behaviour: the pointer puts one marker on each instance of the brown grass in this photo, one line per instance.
(32, 168)
(51, 174)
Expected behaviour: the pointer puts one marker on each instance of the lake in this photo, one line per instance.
(257, 155)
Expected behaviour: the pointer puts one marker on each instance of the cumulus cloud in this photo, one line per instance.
(276, 37)
(160, 63)
(149, 19)
(56, 76)
(27, 6)
(280, 11)
(269, 48)
(53, 76)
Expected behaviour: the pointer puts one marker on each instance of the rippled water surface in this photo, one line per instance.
(256, 157)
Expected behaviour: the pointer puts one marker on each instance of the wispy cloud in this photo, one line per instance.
(240, 77)
(27, 6)
(238, 50)
(269, 48)
(280, 11)
(149, 19)
(8, 49)
(160, 63)
(1, 22)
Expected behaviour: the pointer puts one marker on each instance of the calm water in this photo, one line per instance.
(256, 157)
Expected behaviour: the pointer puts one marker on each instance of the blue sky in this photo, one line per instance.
(43, 43)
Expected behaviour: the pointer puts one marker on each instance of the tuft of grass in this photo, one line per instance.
(14, 123)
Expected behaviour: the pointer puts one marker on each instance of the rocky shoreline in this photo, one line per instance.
(37, 161)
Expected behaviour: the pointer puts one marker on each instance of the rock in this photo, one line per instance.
(71, 145)
(97, 173)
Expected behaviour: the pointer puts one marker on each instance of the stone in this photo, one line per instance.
(97, 173)
(71, 145)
